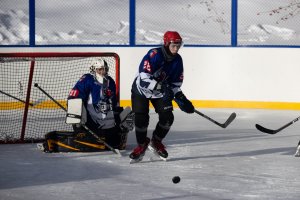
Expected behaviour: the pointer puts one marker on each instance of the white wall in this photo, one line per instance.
(243, 74)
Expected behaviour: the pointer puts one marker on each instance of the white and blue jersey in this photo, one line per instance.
(99, 99)
(155, 68)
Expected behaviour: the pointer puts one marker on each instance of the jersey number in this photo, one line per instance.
(147, 66)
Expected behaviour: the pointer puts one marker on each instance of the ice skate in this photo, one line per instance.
(158, 149)
(139, 152)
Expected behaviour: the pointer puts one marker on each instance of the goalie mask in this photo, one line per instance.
(99, 69)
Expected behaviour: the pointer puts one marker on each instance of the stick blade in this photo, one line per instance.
(117, 151)
(229, 120)
(265, 130)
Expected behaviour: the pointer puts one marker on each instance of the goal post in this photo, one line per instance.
(26, 114)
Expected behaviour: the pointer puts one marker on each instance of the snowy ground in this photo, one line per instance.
(238, 162)
(107, 22)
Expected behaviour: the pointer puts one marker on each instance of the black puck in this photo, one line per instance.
(176, 179)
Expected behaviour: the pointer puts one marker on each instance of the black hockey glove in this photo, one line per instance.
(184, 104)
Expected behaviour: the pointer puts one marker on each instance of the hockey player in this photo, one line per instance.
(159, 78)
(98, 93)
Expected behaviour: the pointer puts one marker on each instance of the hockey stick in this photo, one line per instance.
(116, 151)
(270, 131)
(43, 91)
(31, 104)
(224, 125)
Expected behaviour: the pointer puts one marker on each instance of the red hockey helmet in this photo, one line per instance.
(172, 37)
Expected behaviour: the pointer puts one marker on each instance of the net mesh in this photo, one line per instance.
(55, 74)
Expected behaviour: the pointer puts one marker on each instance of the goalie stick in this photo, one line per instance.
(116, 151)
(270, 131)
(16, 98)
(224, 125)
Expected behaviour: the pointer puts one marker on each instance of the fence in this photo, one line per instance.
(220, 23)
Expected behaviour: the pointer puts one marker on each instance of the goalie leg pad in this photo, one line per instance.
(64, 141)
(123, 139)
(59, 141)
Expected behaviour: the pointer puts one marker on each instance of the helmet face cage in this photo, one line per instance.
(98, 63)
(172, 37)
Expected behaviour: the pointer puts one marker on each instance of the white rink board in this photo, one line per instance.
(242, 74)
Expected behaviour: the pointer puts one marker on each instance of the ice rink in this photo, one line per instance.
(238, 162)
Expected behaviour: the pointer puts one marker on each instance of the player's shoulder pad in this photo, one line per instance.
(88, 76)
(85, 77)
(152, 52)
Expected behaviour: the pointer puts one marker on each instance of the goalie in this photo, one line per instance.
(92, 101)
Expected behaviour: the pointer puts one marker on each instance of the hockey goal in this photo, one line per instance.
(26, 113)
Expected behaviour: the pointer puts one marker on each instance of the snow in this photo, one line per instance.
(14, 28)
(268, 32)
(199, 22)
(238, 162)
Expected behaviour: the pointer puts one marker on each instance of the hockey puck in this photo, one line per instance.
(176, 179)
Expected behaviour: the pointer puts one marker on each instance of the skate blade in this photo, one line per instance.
(156, 154)
(297, 154)
(132, 161)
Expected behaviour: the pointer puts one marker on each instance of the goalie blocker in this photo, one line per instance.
(82, 141)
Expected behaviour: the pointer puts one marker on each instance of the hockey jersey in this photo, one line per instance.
(99, 99)
(155, 68)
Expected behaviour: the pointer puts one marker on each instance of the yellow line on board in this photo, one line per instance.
(197, 103)
(235, 104)
(43, 105)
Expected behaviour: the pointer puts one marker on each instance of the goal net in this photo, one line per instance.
(26, 113)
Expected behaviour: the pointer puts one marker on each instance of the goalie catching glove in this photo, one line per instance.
(184, 104)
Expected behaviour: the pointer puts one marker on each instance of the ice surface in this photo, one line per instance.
(238, 162)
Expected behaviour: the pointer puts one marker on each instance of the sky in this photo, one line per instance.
(107, 22)
(236, 163)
